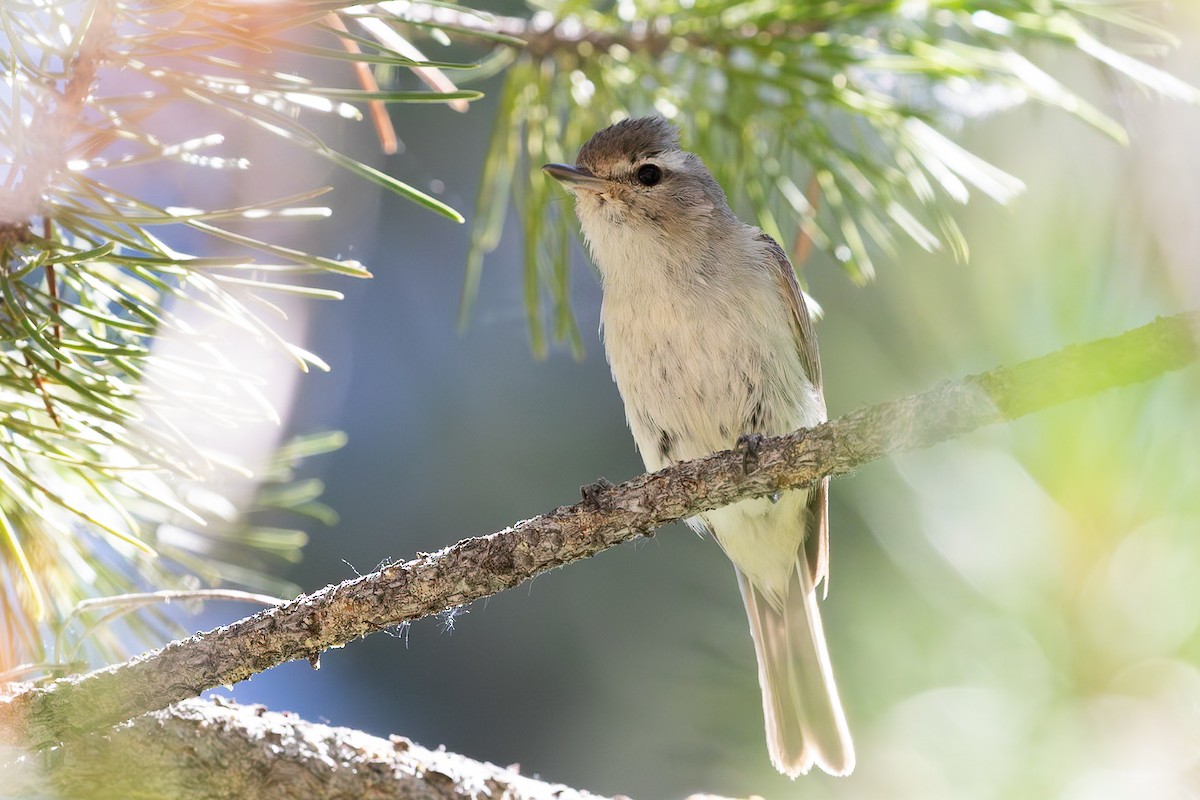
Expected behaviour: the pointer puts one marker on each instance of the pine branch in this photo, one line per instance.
(115, 335)
(860, 100)
(477, 568)
(800, 94)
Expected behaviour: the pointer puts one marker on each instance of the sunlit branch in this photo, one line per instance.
(479, 567)
(803, 246)
(202, 748)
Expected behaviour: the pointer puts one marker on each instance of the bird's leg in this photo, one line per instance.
(749, 444)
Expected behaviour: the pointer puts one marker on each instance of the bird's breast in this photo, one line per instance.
(699, 363)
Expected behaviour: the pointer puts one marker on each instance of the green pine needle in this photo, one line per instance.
(103, 492)
(851, 98)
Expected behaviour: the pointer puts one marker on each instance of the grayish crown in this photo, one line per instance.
(630, 139)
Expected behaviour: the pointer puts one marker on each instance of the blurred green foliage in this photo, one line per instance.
(825, 122)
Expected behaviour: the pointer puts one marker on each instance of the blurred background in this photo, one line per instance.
(1013, 614)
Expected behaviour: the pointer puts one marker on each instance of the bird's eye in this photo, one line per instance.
(649, 174)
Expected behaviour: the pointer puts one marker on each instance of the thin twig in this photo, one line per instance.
(52, 280)
(388, 142)
(432, 77)
(38, 382)
(803, 246)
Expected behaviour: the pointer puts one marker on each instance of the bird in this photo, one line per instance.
(711, 344)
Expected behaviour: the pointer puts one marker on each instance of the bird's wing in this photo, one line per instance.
(802, 325)
(816, 542)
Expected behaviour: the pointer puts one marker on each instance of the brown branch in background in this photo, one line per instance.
(41, 387)
(52, 279)
(366, 79)
(42, 716)
(52, 287)
(433, 77)
(803, 246)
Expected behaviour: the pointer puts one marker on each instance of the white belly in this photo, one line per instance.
(695, 374)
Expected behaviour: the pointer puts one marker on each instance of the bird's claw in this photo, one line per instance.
(749, 444)
(593, 493)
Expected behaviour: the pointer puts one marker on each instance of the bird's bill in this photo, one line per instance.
(573, 176)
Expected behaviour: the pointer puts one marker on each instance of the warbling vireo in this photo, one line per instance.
(709, 339)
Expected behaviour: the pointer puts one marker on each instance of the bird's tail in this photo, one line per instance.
(805, 721)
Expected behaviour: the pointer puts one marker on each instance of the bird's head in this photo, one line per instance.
(633, 176)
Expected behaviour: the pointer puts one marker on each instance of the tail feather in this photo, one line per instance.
(805, 721)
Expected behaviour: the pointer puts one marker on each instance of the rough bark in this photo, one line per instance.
(217, 750)
(40, 716)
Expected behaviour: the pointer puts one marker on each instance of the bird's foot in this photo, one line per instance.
(749, 444)
(594, 493)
